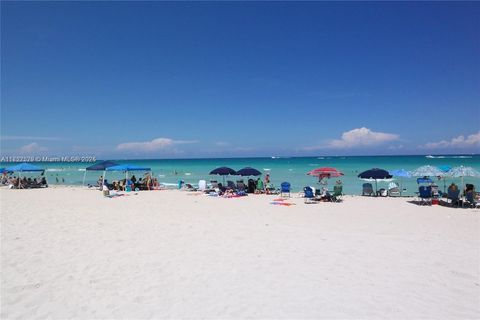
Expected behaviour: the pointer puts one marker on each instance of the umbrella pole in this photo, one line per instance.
(84, 175)
(376, 188)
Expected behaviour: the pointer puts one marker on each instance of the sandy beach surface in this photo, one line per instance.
(71, 253)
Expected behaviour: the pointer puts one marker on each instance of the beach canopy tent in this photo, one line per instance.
(375, 174)
(24, 167)
(223, 171)
(101, 166)
(248, 171)
(126, 168)
(400, 173)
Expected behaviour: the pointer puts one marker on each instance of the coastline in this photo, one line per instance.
(69, 252)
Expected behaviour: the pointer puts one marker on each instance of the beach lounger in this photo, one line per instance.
(285, 189)
(393, 189)
(367, 189)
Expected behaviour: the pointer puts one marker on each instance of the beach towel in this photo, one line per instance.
(279, 203)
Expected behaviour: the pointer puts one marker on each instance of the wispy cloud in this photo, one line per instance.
(360, 137)
(153, 145)
(222, 144)
(32, 148)
(472, 140)
(30, 138)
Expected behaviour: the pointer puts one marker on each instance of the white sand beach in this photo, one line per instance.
(71, 253)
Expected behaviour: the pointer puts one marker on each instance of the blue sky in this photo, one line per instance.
(201, 79)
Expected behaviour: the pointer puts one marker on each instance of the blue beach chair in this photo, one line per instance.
(425, 195)
(285, 189)
(308, 195)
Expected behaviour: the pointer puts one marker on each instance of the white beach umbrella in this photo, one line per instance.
(461, 171)
(427, 171)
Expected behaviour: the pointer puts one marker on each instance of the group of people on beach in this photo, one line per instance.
(23, 182)
(130, 184)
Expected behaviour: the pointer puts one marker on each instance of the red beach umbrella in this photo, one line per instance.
(325, 172)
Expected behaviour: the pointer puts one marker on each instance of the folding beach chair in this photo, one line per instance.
(337, 193)
(454, 197)
(285, 189)
(425, 195)
(367, 189)
(309, 195)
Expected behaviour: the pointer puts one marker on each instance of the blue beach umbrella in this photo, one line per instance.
(445, 169)
(248, 171)
(401, 173)
(223, 171)
(375, 174)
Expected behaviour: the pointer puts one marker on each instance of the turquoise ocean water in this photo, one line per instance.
(281, 169)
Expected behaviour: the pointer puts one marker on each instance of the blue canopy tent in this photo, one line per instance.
(101, 166)
(126, 168)
(24, 167)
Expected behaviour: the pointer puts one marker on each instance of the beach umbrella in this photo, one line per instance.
(461, 172)
(445, 169)
(375, 174)
(248, 171)
(223, 171)
(427, 171)
(401, 173)
(2, 170)
(325, 172)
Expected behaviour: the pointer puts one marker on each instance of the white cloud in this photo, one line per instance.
(32, 148)
(360, 137)
(472, 140)
(222, 144)
(154, 145)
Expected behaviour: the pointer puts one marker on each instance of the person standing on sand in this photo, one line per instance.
(267, 181)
